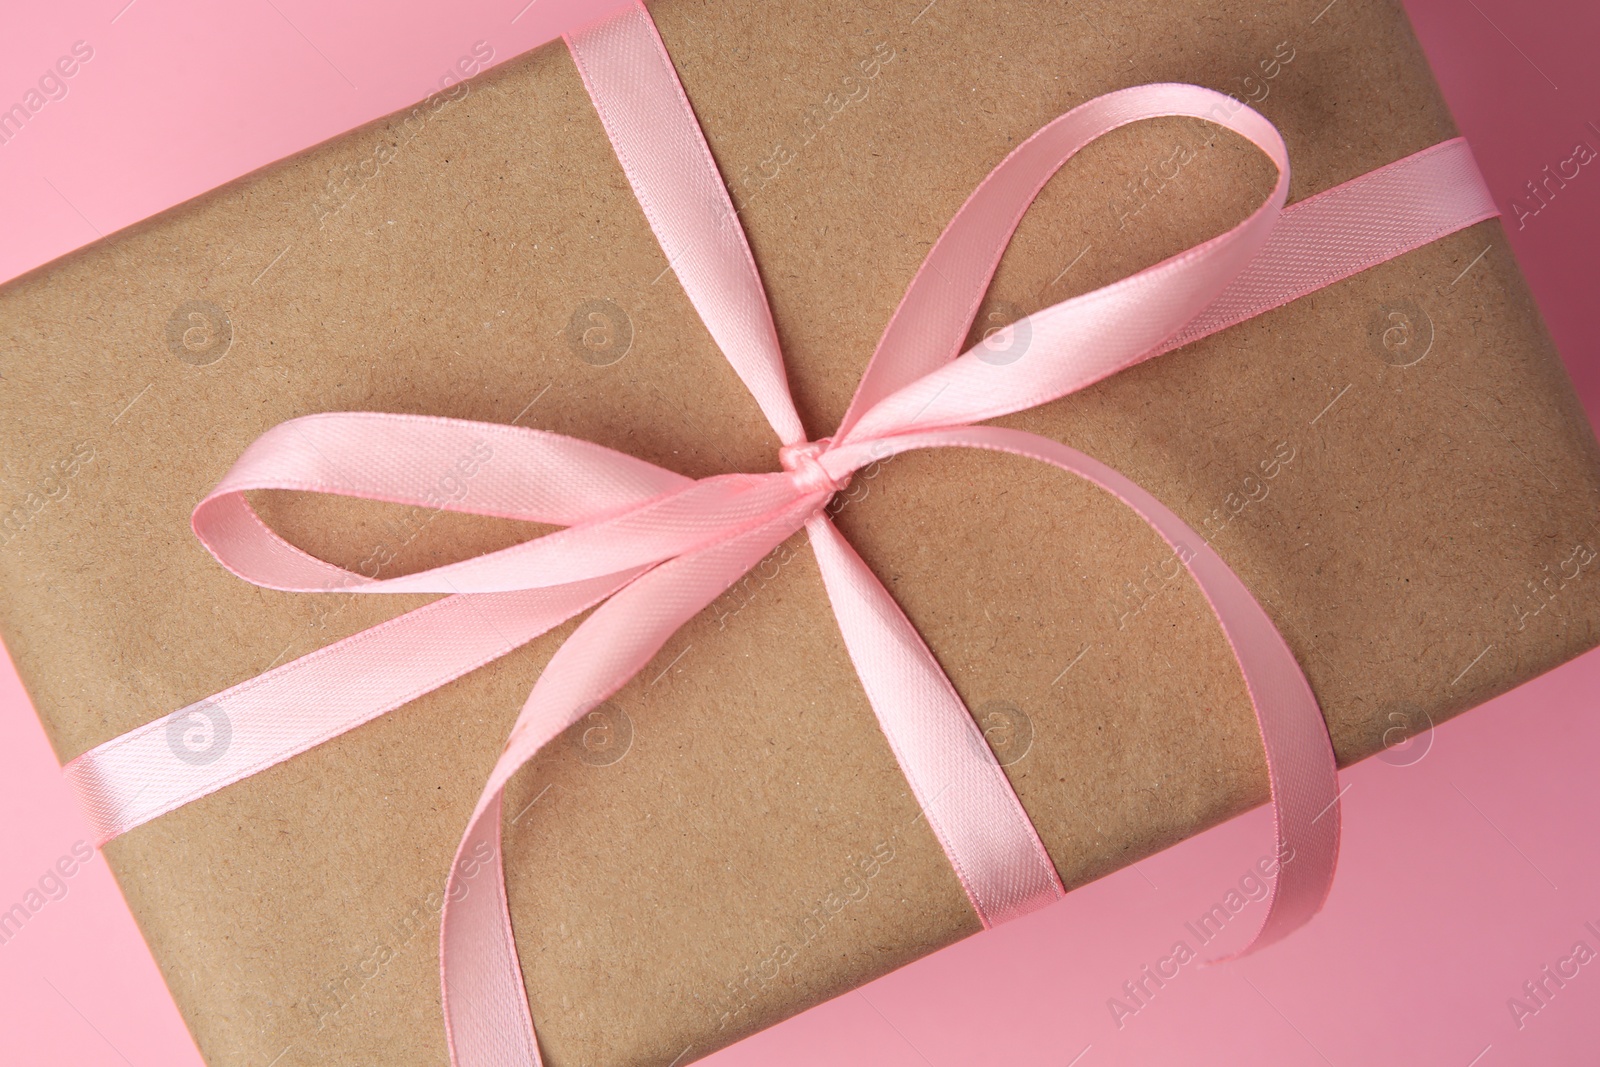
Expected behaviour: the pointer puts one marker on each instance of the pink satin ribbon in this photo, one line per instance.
(652, 548)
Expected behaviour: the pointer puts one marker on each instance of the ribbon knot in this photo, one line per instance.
(804, 461)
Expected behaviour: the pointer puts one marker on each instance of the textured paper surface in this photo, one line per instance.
(742, 846)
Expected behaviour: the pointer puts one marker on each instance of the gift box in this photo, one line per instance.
(1395, 465)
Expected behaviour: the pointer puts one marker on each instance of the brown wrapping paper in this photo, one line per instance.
(1395, 465)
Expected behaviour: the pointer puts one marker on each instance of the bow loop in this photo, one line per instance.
(915, 382)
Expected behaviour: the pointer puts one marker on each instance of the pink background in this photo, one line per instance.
(1469, 861)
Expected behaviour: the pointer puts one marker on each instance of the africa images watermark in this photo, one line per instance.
(854, 89)
(1539, 991)
(1544, 590)
(346, 181)
(1135, 597)
(1253, 886)
(51, 487)
(199, 333)
(1141, 191)
(1008, 732)
(450, 488)
(1543, 190)
(343, 989)
(199, 734)
(51, 886)
(601, 738)
(599, 332)
(50, 87)
(739, 992)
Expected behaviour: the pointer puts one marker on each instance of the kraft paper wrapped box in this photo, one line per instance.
(1395, 465)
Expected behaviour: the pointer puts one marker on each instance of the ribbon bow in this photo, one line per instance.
(653, 548)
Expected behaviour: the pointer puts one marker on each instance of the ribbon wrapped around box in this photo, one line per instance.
(663, 882)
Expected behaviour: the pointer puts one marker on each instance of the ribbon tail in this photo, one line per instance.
(969, 802)
(1301, 767)
(487, 1019)
(228, 737)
